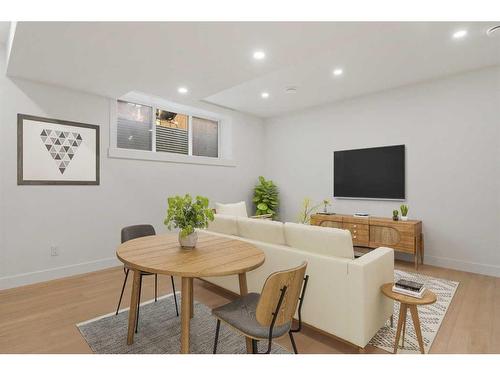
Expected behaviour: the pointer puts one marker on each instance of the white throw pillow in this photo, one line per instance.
(233, 209)
(261, 230)
(319, 240)
(224, 224)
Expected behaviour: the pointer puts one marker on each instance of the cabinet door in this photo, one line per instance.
(399, 237)
(331, 224)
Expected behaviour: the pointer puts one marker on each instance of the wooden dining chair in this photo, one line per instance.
(267, 315)
(129, 233)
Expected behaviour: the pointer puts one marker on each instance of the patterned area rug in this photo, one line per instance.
(431, 316)
(160, 329)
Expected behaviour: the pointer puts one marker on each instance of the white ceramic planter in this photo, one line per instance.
(404, 218)
(189, 241)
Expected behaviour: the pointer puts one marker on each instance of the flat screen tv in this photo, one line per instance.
(370, 173)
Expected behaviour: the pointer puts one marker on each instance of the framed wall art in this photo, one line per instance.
(56, 152)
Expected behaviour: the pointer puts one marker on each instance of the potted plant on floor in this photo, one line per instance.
(404, 212)
(266, 198)
(187, 215)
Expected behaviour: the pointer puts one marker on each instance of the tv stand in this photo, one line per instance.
(373, 232)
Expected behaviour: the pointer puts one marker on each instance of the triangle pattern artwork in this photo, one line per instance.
(61, 146)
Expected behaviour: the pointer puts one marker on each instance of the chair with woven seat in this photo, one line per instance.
(130, 233)
(268, 315)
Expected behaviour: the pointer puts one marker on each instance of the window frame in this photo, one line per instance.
(224, 150)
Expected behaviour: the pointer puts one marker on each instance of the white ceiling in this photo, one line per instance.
(214, 60)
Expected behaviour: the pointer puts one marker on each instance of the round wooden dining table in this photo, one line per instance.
(212, 256)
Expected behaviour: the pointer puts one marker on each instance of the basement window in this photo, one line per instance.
(134, 125)
(172, 132)
(153, 129)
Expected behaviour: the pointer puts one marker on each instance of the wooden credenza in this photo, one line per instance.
(373, 232)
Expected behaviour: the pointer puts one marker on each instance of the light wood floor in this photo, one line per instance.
(41, 318)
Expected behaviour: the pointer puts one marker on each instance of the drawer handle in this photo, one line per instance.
(355, 226)
(354, 231)
(354, 237)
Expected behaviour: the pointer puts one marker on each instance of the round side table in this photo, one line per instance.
(411, 303)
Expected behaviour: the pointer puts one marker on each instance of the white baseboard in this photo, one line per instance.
(483, 269)
(13, 281)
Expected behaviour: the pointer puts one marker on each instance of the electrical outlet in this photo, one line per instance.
(54, 251)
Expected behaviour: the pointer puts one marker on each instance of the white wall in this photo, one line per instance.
(451, 131)
(85, 221)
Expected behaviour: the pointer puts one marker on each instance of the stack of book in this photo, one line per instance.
(409, 288)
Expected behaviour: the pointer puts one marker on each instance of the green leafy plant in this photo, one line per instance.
(266, 198)
(395, 214)
(404, 210)
(188, 214)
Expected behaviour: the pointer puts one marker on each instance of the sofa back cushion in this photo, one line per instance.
(319, 240)
(224, 224)
(261, 230)
(233, 209)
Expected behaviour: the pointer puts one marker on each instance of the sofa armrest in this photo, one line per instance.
(366, 275)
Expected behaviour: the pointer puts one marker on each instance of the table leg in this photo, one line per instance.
(134, 301)
(185, 313)
(401, 319)
(191, 293)
(242, 277)
(416, 325)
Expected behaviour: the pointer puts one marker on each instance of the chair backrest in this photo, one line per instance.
(271, 292)
(136, 231)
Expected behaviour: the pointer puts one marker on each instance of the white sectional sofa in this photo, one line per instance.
(343, 295)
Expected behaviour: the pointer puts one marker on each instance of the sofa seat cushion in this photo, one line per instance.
(261, 230)
(234, 209)
(241, 314)
(319, 240)
(224, 224)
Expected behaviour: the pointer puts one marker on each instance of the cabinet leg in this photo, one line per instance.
(416, 243)
(421, 248)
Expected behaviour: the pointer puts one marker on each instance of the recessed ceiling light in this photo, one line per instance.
(259, 55)
(182, 90)
(459, 34)
(264, 95)
(338, 72)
